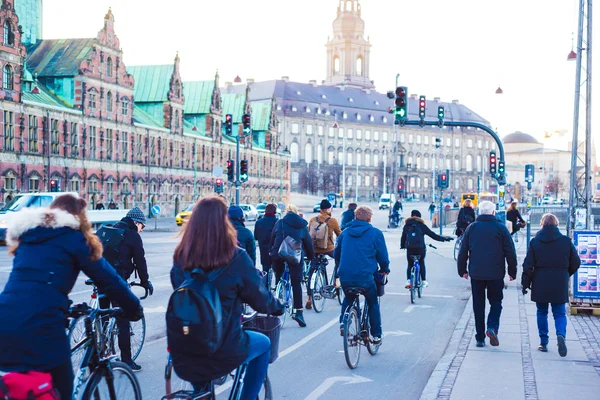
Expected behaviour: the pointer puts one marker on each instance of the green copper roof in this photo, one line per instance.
(261, 115)
(155, 111)
(198, 96)
(143, 118)
(152, 82)
(234, 104)
(43, 97)
(58, 57)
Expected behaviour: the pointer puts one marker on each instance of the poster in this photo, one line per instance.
(580, 218)
(585, 281)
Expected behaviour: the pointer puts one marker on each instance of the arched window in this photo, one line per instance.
(367, 181)
(409, 162)
(375, 181)
(8, 78)
(308, 153)
(348, 5)
(470, 184)
(340, 155)
(294, 152)
(375, 159)
(359, 66)
(9, 36)
(367, 160)
(109, 101)
(330, 155)
(349, 180)
(425, 183)
(358, 181)
(425, 162)
(418, 166)
(336, 65)
(109, 66)
(177, 89)
(358, 158)
(469, 163)
(349, 157)
(176, 122)
(319, 153)
(457, 164)
(478, 163)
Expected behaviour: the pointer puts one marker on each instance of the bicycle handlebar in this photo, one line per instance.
(432, 246)
(132, 284)
(82, 309)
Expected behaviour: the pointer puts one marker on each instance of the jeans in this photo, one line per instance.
(295, 277)
(259, 347)
(62, 379)
(560, 320)
(124, 329)
(494, 295)
(421, 253)
(372, 301)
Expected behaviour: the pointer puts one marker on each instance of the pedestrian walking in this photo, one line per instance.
(244, 235)
(514, 216)
(488, 247)
(348, 215)
(466, 216)
(262, 233)
(431, 211)
(551, 259)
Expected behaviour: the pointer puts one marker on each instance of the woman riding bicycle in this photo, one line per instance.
(514, 216)
(50, 247)
(209, 242)
(466, 216)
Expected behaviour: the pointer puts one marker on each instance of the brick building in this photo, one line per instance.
(73, 112)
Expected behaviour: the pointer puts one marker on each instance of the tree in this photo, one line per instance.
(554, 186)
(331, 178)
(309, 179)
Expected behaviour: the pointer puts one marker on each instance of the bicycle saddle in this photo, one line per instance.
(355, 291)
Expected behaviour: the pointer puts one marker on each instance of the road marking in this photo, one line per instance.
(155, 310)
(396, 333)
(5, 269)
(440, 296)
(90, 290)
(412, 307)
(329, 382)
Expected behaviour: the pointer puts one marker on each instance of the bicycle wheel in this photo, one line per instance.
(266, 391)
(281, 296)
(319, 281)
(271, 280)
(412, 286)
(137, 333)
(123, 385)
(351, 338)
(340, 295)
(419, 289)
(173, 383)
(371, 348)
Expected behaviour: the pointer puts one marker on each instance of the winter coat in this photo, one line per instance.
(35, 301)
(360, 249)
(334, 229)
(551, 259)
(347, 217)
(262, 233)
(240, 283)
(296, 227)
(397, 206)
(131, 252)
(466, 216)
(245, 238)
(424, 228)
(515, 217)
(487, 245)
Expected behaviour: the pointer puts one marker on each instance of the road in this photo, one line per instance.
(311, 363)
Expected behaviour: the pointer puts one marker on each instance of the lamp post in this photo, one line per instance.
(281, 154)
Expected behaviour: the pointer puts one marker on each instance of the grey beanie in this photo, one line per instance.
(136, 215)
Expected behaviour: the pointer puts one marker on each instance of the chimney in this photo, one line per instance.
(413, 96)
(437, 99)
(249, 80)
(454, 101)
(313, 82)
(285, 78)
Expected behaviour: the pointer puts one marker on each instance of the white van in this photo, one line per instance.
(386, 201)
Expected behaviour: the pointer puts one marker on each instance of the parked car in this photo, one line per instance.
(183, 215)
(260, 209)
(386, 200)
(250, 212)
(317, 207)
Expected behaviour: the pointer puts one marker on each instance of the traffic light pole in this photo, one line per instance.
(237, 181)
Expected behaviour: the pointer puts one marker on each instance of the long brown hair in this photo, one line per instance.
(209, 239)
(76, 206)
(512, 206)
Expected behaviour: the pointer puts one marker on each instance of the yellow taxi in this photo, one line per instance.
(182, 216)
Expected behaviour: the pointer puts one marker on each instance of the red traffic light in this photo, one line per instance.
(53, 182)
(219, 181)
(228, 118)
(444, 177)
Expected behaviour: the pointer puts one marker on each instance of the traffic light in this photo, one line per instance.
(53, 186)
(230, 176)
(243, 170)
(400, 188)
(246, 119)
(501, 168)
(493, 163)
(401, 103)
(529, 173)
(441, 115)
(438, 142)
(219, 185)
(443, 180)
(422, 106)
(229, 124)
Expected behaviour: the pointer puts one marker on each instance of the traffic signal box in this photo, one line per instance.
(244, 171)
(246, 122)
(230, 173)
(401, 103)
(218, 185)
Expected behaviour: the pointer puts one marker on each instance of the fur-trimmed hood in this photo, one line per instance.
(28, 219)
(411, 219)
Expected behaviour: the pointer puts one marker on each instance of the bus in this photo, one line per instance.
(477, 197)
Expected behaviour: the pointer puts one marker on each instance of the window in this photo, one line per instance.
(34, 145)
(470, 143)
(307, 109)
(358, 158)
(367, 135)
(418, 139)
(124, 106)
(340, 133)
(10, 182)
(385, 136)
(359, 66)
(479, 163)
(110, 189)
(295, 178)
(479, 143)
(448, 163)
(358, 181)
(426, 140)
(367, 181)
(410, 138)
(109, 67)
(54, 137)
(358, 117)
(375, 159)
(402, 138)
(308, 153)
(109, 144)
(340, 155)
(487, 144)
(294, 152)
(371, 118)
(425, 162)
(425, 183)
(320, 130)
(336, 65)
(319, 153)
(456, 184)
(367, 160)
(375, 181)
(8, 78)
(349, 158)
(469, 163)
(177, 89)
(9, 37)
(124, 146)
(176, 121)
(34, 184)
(330, 155)
(109, 102)
(74, 140)
(92, 100)
(376, 135)
(358, 134)
(9, 131)
(457, 164)
(92, 142)
(350, 133)
(345, 115)
(295, 128)
(456, 142)
(331, 132)
(309, 129)
(448, 142)
(418, 164)
(470, 184)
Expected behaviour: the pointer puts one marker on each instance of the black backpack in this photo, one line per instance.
(414, 237)
(111, 239)
(195, 322)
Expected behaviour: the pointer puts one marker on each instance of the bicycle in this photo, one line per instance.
(100, 377)
(357, 330)
(285, 295)
(317, 282)
(394, 221)
(416, 288)
(457, 244)
(518, 238)
(178, 388)
(271, 280)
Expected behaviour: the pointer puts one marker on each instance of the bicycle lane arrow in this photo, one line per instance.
(329, 382)
(412, 307)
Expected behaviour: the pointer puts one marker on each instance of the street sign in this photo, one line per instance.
(217, 171)
(156, 210)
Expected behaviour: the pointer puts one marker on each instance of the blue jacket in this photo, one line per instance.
(359, 250)
(488, 247)
(347, 217)
(245, 238)
(34, 303)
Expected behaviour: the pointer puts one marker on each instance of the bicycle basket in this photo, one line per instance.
(270, 326)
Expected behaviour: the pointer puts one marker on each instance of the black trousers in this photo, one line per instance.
(494, 289)
(421, 253)
(123, 326)
(62, 379)
(295, 277)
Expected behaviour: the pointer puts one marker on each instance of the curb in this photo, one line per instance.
(452, 358)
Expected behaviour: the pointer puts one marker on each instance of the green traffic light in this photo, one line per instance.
(401, 112)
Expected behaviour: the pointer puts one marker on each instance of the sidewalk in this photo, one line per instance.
(516, 369)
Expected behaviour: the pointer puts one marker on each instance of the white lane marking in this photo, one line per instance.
(396, 333)
(440, 296)
(329, 382)
(155, 310)
(5, 269)
(413, 306)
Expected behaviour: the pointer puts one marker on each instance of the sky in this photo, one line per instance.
(456, 50)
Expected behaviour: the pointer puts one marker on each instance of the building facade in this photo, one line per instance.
(75, 114)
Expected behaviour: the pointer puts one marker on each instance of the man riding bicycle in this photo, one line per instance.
(360, 249)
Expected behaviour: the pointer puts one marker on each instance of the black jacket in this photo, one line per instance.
(239, 283)
(487, 245)
(263, 230)
(296, 227)
(245, 238)
(466, 216)
(131, 251)
(424, 228)
(347, 217)
(514, 216)
(550, 260)
(397, 206)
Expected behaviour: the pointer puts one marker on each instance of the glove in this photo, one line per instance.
(148, 286)
(137, 314)
(449, 238)
(524, 290)
(279, 311)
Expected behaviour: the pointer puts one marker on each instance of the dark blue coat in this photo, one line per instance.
(35, 302)
(245, 238)
(262, 233)
(347, 217)
(488, 247)
(551, 260)
(359, 250)
(131, 251)
(296, 227)
(239, 283)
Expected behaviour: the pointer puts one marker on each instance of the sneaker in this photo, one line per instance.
(376, 340)
(299, 318)
(424, 284)
(134, 367)
(408, 284)
(480, 343)
(490, 333)
(543, 347)
(562, 346)
(308, 304)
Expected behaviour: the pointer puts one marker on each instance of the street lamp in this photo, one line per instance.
(284, 152)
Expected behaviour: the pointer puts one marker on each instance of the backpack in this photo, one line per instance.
(195, 316)
(415, 239)
(319, 232)
(111, 239)
(27, 386)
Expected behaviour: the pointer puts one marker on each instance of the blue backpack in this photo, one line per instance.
(415, 239)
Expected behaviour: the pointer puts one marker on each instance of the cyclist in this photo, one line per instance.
(466, 216)
(262, 233)
(50, 247)
(359, 251)
(413, 240)
(326, 223)
(209, 243)
(348, 215)
(244, 235)
(127, 258)
(294, 226)
(396, 210)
